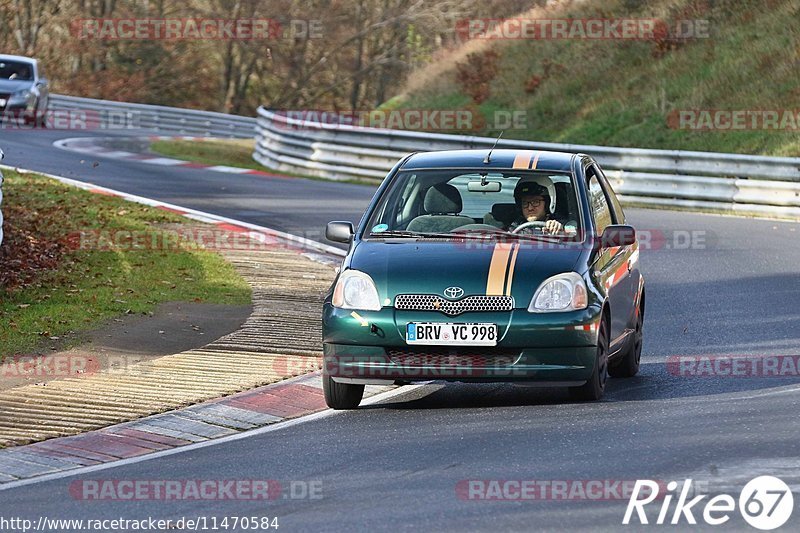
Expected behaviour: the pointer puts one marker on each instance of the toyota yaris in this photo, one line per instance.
(479, 266)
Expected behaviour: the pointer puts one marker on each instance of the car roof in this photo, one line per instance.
(501, 158)
(23, 59)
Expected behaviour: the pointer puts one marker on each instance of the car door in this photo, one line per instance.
(610, 265)
(631, 252)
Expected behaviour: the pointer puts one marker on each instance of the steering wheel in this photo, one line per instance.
(532, 224)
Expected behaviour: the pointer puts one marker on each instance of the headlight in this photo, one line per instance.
(21, 95)
(356, 290)
(563, 292)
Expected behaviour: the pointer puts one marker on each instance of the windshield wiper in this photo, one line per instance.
(396, 233)
(427, 235)
(534, 237)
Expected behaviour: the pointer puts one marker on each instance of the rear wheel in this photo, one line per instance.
(341, 395)
(593, 389)
(628, 365)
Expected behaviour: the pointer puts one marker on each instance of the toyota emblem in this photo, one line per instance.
(453, 292)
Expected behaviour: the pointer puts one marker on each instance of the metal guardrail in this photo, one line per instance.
(110, 115)
(766, 186)
(733, 183)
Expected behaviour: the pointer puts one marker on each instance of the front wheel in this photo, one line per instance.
(593, 389)
(341, 395)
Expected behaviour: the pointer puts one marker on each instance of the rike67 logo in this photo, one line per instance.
(765, 503)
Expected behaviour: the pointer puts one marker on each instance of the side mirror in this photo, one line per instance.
(617, 235)
(338, 231)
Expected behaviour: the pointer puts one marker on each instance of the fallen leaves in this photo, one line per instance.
(25, 253)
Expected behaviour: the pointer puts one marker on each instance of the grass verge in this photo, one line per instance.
(230, 152)
(51, 290)
(628, 92)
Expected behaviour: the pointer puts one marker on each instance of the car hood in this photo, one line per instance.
(429, 267)
(12, 86)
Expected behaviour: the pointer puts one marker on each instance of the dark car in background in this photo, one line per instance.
(24, 91)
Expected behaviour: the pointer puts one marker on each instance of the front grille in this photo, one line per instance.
(433, 302)
(449, 356)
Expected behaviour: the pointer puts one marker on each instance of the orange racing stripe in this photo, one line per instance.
(510, 276)
(498, 268)
(523, 159)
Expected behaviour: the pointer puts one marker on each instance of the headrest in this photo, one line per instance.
(442, 198)
(505, 213)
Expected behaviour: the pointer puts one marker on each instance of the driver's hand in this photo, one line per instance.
(553, 226)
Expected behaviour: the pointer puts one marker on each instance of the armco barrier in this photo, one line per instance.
(731, 183)
(161, 119)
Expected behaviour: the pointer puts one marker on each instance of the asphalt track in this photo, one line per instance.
(396, 465)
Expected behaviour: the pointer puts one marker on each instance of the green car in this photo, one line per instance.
(486, 266)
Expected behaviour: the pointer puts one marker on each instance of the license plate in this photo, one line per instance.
(447, 334)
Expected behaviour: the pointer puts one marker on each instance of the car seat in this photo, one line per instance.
(502, 215)
(564, 209)
(442, 204)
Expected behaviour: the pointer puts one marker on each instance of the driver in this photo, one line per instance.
(534, 202)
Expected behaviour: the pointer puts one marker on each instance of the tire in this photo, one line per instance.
(341, 395)
(593, 389)
(628, 364)
(35, 119)
(41, 116)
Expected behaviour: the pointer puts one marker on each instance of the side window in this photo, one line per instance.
(616, 207)
(600, 210)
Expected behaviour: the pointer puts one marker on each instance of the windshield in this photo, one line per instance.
(459, 202)
(16, 70)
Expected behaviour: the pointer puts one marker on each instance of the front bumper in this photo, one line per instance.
(552, 348)
(17, 106)
(19, 110)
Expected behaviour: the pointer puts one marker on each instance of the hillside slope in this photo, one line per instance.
(632, 92)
